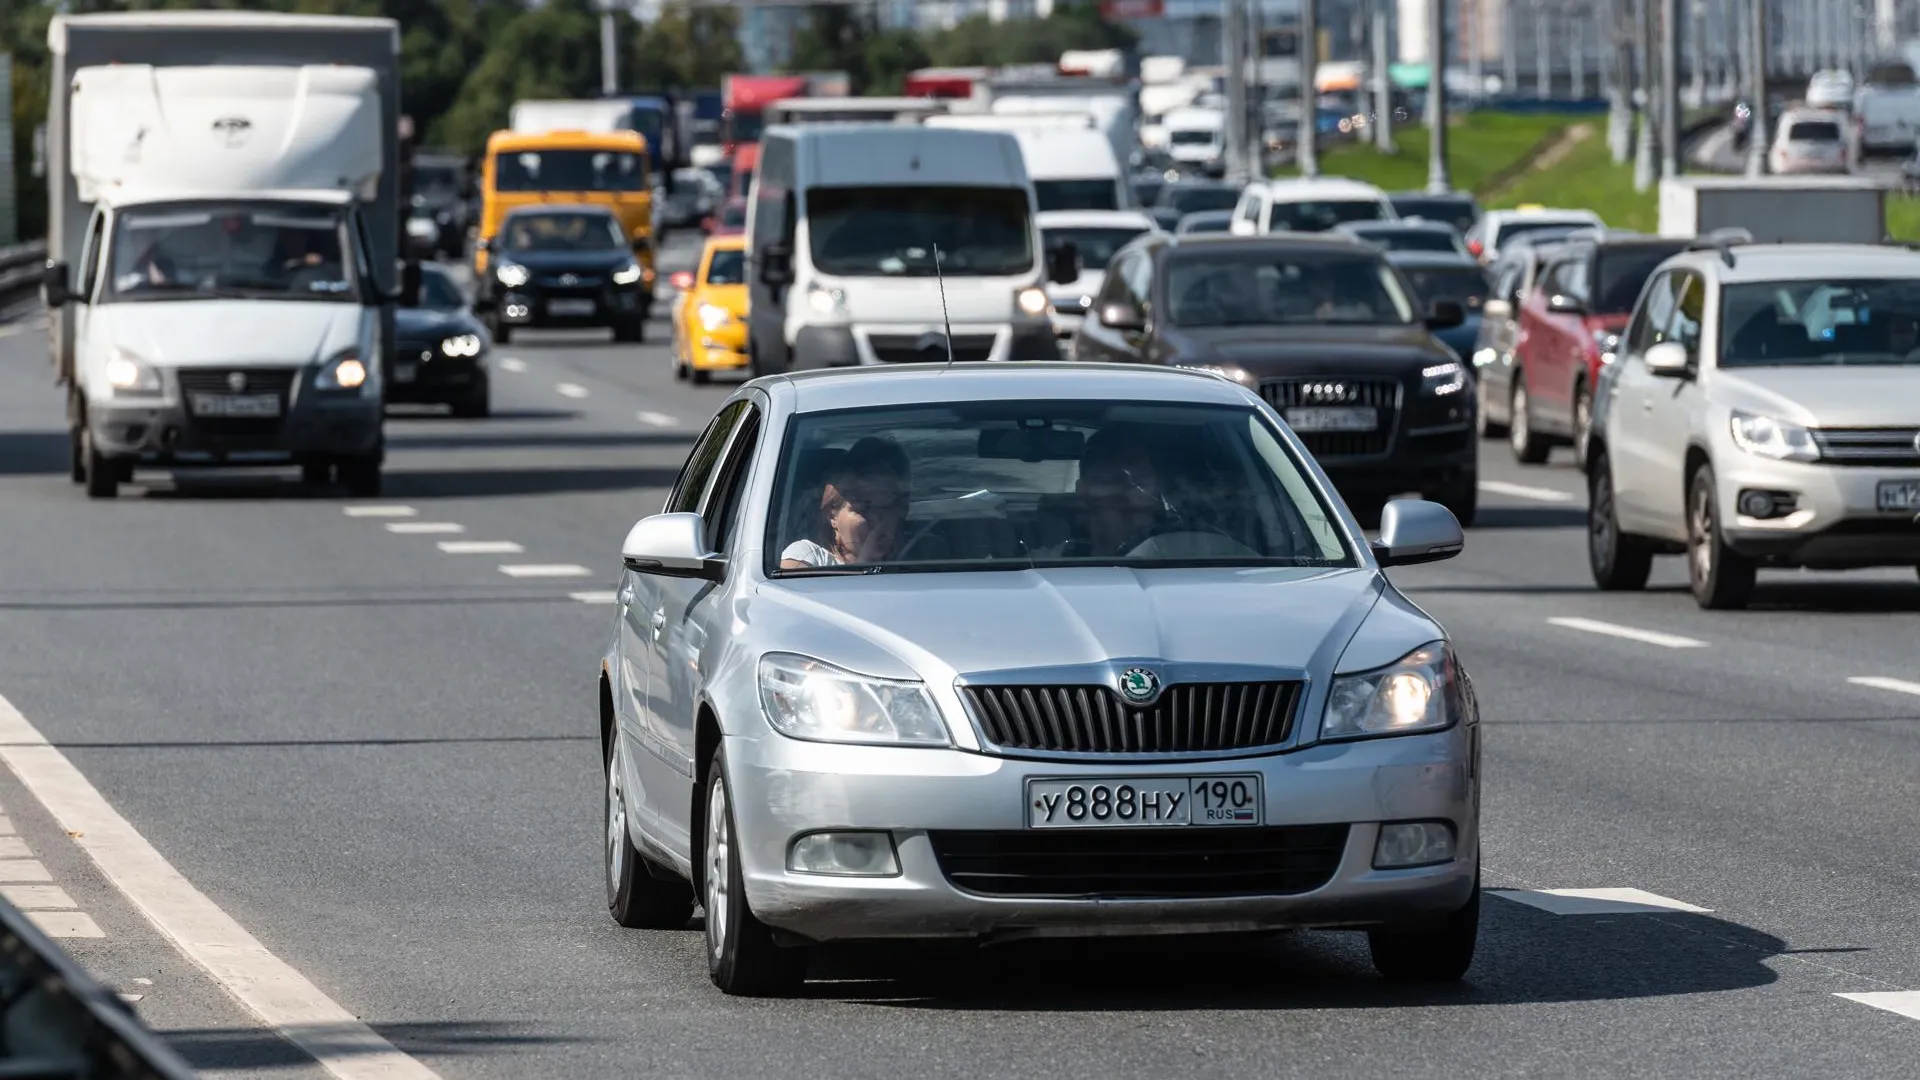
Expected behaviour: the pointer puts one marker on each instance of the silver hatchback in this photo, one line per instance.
(987, 652)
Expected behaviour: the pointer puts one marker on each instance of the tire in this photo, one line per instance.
(1439, 953)
(629, 330)
(1461, 496)
(361, 476)
(1619, 563)
(701, 376)
(1722, 578)
(502, 331)
(1582, 419)
(742, 958)
(636, 897)
(1483, 422)
(103, 473)
(316, 474)
(476, 402)
(76, 457)
(1528, 448)
(681, 372)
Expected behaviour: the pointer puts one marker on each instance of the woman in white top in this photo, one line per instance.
(863, 507)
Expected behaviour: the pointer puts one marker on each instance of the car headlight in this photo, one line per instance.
(1418, 692)
(512, 275)
(827, 302)
(1772, 438)
(1608, 343)
(128, 374)
(1225, 372)
(809, 699)
(1439, 380)
(462, 345)
(627, 275)
(344, 372)
(1031, 301)
(713, 317)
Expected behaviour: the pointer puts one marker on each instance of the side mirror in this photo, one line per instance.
(1122, 316)
(1668, 359)
(1445, 315)
(1496, 309)
(1063, 263)
(672, 545)
(55, 284)
(1415, 531)
(776, 264)
(681, 280)
(1562, 304)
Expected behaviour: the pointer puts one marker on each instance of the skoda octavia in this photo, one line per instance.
(981, 652)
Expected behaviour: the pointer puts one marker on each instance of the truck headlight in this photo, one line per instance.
(128, 374)
(1418, 692)
(627, 275)
(827, 302)
(1031, 301)
(713, 317)
(512, 275)
(463, 345)
(810, 699)
(1439, 380)
(344, 372)
(1777, 439)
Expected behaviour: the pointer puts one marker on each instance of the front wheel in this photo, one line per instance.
(1721, 577)
(103, 472)
(476, 402)
(76, 456)
(1619, 563)
(1440, 953)
(742, 957)
(630, 329)
(1484, 422)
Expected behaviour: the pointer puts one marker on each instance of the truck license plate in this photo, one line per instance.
(569, 307)
(1144, 801)
(1333, 419)
(236, 405)
(1902, 495)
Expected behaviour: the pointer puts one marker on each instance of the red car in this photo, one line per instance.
(730, 221)
(1569, 326)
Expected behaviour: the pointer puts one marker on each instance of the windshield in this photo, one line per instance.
(1019, 484)
(437, 290)
(1456, 212)
(197, 251)
(551, 231)
(891, 231)
(1096, 245)
(1415, 240)
(1223, 287)
(1868, 321)
(569, 170)
(1539, 230)
(436, 178)
(1192, 137)
(1077, 194)
(1464, 285)
(1621, 272)
(1207, 221)
(1322, 215)
(1814, 131)
(646, 120)
(1194, 200)
(727, 268)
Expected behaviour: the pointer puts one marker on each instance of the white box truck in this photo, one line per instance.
(224, 241)
(1069, 160)
(1776, 209)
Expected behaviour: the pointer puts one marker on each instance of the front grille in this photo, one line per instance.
(1868, 446)
(580, 281)
(1325, 391)
(1140, 863)
(1188, 718)
(905, 348)
(276, 381)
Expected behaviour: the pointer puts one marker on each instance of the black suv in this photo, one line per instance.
(1327, 332)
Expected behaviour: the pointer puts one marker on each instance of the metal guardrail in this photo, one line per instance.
(58, 1023)
(21, 269)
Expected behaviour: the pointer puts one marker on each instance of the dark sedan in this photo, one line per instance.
(1460, 278)
(440, 350)
(1206, 221)
(1456, 208)
(1327, 332)
(1192, 196)
(1391, 236)
(563, 266)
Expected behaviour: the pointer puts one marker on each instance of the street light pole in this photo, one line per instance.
(609, 54)
(1757, 121)
(1439, 178)
(1309, 49)
(1645, 168)
(1619, 66)
(1233, 45)
(1382, 80)
(1670, 88)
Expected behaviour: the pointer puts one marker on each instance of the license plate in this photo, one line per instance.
(1141, 802)
(236, 405)
(569, 307)
(1900, 495)
(403, 372)
(1333, 419)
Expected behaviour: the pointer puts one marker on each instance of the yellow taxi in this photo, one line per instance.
(710, 315)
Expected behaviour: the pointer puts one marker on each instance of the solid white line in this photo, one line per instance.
(513, 364)
(656, 419)
(1596, 901)
(1881, 682)
(37, 897)
(1650, 637)
(380, 511)
(12, 847)
(1522, 491)
(545, 570)
(572, 390)
(66, 924)
(415, 528)
(23, 869)
(607, 597)
(259, 980)
(1903, 1002)
(480, 547)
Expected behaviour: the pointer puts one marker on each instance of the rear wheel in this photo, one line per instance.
(361, 476)
(1722, 578)
(741, 955)
(1441, 952)
(701, 376)
(1529, 448)
(1582, 419)
(635, 896)
(1619, 563)
(630, 329)
(76, 457)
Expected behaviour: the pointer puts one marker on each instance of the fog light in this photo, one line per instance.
(1756, 504)
(856, 854)
(1413, 843)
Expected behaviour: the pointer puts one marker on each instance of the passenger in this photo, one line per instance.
(863, 507)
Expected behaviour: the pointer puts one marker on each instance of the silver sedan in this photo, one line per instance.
(986, 652)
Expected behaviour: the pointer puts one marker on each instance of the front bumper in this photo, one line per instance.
(924, 797)
(427, 376)
(723, 352)
(162, 431)
(534, 305)
(1835, 523)
(1419, 459)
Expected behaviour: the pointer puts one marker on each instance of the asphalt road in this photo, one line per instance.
(379, 759)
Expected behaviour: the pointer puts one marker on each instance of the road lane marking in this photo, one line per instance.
(380, 511)
(1650, 637)
(545, 570)
(37, 897)
(1596, 901)
(1522, 491)
(1901, 1002)
(513, 364)
(6, 825)
(656, 419)
(12, 847)
(269, 988)
(66, 924)
(415, 528)
(480, 547)
(572, 390)
(606, 597)
(23, 869)
(1881, 682)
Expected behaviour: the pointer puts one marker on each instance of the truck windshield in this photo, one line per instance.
(745, 127)
(194, 251)
(1865, 321)
(561, 232)
(891, 231)
(1096, 194)
(569, 170)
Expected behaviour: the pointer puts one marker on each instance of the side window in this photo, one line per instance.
(722, 511)
(1114, 289)
(1656, 312)
(90, 254)
(1506, 286)
(1575, 280)
(1249, 210)
(698, 470)
(1139, 276)
(1551, 279)
(1690, 296)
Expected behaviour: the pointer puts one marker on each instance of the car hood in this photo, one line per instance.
(1461, 339)
(250, 333)
(938, 626)
(1312, 349)
(608, 259)
(881, 300)
(1823, 396)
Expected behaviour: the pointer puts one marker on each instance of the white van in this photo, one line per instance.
(1069, 161)
(1197, 138)
(1887, 118)
(1308, 205)
(842, 226)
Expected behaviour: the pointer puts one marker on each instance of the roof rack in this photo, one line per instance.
(1723, 241)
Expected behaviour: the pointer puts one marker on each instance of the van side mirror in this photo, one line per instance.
(1122, 316)
(1414, 531)
(55, 284)
(1668, 359)
(672, 545)
(1063, 263)
(776, 264)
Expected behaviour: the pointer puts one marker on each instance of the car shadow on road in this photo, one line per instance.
(433, 413)
(264, 1048)
(33, 453)
(278, 484)
(535, 440)
(1529, 517)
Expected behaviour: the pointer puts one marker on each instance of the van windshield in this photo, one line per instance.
(569, 170)
(1094, 194)
(891, 231)
(199, 251)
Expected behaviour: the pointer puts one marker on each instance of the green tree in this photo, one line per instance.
(687, 49)
(552, 51)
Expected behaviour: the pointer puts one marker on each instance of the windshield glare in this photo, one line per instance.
(569, 170)
(891, 231)
(1098, 194)
(562, 232)
(1457, 213)
(1224, 288)
(1868, 321)
(1016, 485)
(1465, 286)
(1620, 273)
(1096, 245)
(191, 251)
(1321, 216)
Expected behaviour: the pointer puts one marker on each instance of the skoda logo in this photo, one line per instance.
(569, 279)
(1328, 391)
(237, 381)
(1139, 685)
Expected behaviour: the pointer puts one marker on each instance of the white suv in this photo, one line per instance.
(1765, 411)
(1268, 206)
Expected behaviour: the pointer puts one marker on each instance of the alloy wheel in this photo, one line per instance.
(719, 866)
(616, 823)
(1600, 520)
(1703, 533)
(1582, 421)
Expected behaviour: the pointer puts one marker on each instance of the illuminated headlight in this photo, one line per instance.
(627, 275)
(1234, 373)
(825, 301)
(1608, 343)
(713, 317)
(1031, 301)
(808, 699)
(1415, 693)
(343, 372)
(128, 374)
(1443, 379)
(1767, 437)
(464, 345)
(512, 275)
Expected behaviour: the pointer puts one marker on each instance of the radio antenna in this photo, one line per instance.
(946, 321)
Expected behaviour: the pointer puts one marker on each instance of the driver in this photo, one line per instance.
(1903, 336)
(1119, 486)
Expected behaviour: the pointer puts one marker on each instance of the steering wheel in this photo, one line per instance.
(1211, 541)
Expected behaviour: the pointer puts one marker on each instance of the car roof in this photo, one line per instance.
(1414, 224)
(1541, 213)
(1094, 219)
(1442, 196)
(1804, 262)
(1324, 187)
(936, 383)
(729, 242)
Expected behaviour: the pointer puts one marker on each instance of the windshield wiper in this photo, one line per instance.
(831, 571)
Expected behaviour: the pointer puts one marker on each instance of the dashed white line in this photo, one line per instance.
(204, 933)
(66, 924)
(12, 847)
(1901, 1002)
(545, 570)
(37, 897)
(23, 869)
(480, 547)
(513, 364)
(1522, 491)
(1649, 637)
(572, 390)
(1881, 682)
(606, 597)
(415, 528)
(1596, 901)
(380, 511)
(656, 419)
